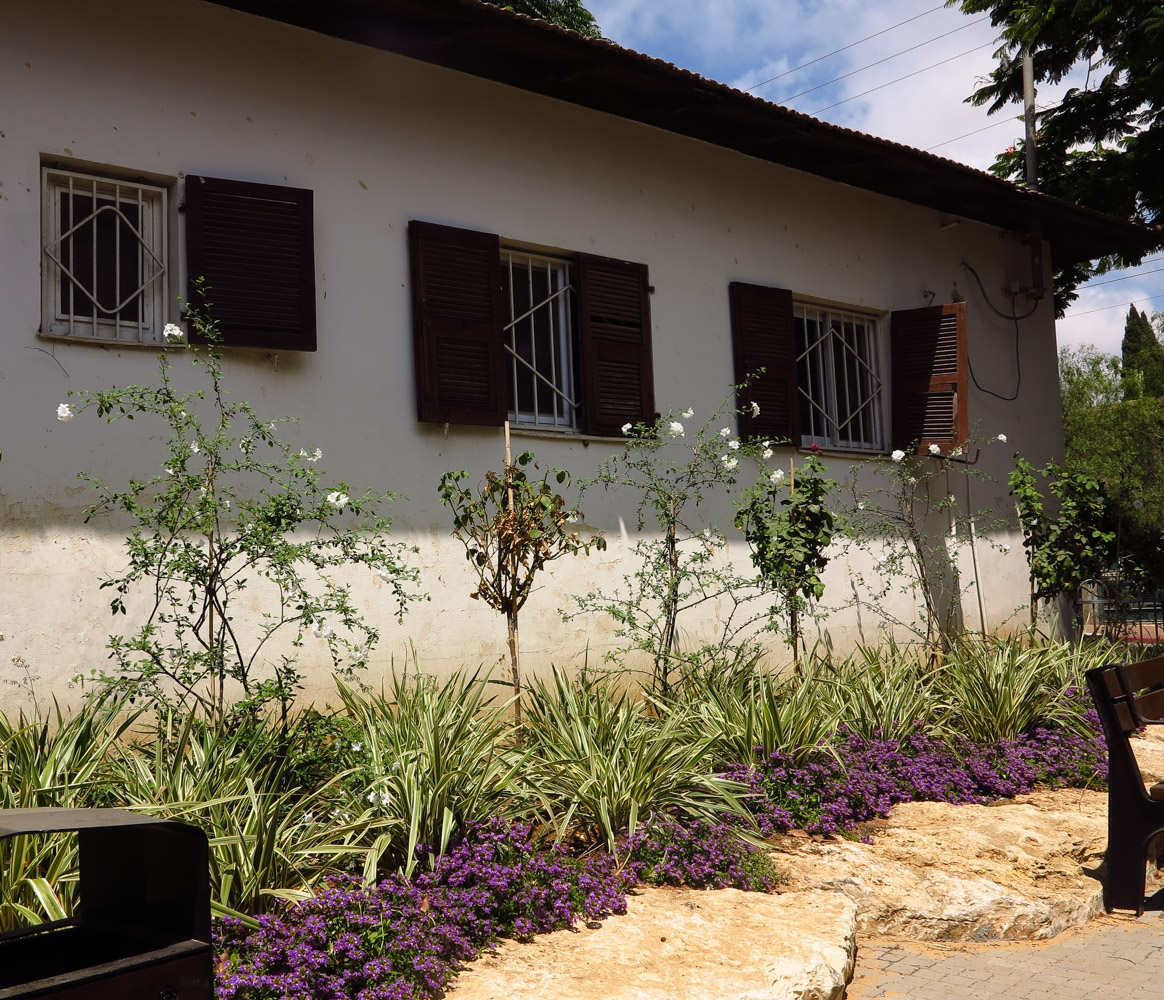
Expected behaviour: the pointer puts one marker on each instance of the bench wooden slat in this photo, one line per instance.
(1137, 676)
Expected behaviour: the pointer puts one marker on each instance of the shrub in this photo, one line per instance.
(701, 854)
(405, 939)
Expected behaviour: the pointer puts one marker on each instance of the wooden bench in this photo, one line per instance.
(1128, 696)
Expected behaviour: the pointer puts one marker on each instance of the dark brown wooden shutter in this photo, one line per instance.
(930, 389)
(254, 247)
(456, 321)
(763, 336)
(614, 326)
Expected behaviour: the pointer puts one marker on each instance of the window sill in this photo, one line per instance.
(103, 342)
(567, 436)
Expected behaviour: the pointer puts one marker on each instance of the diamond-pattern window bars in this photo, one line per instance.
(109, 262)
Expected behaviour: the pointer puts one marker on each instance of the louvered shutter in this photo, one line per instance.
(930, 389)
(763, 336)
(614, 333)
(457, 320)
(254, 247)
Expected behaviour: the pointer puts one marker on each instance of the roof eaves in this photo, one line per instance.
(497, 44)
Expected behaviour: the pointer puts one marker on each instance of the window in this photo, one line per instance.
(104, 267)
(827, 376)
(556, 342)
(839, 379)
(538, 337)
(106, 275)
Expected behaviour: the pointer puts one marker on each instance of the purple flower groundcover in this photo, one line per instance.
(405, 939)
(830, 794)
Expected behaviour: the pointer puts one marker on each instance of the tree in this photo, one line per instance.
(1103, 145)
(1120, 442)
(564, 13)
(1143, 358)
(511, 527)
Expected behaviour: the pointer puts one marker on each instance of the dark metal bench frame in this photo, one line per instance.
(1127, 697)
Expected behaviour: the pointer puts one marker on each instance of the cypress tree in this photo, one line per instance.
(1143, 358)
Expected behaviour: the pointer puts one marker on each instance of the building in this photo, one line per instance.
(370, 186)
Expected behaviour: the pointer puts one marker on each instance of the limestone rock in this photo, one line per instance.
(683, 944)
(1015, 870)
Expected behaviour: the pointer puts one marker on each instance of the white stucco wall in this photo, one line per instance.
(192, 88)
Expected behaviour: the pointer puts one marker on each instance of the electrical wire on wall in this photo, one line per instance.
(1014, 318)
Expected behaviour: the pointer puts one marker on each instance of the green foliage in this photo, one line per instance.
(511, 527)
(881, 692)
(564, 13)
(1102, 145)
(997, 689)
(602, 766)
(270, 837)
(789, 537)
(1068, 546)
(1119, 442)
(232, 515)
(435, 759)
(1142, 355)
(763, 715)
(917, 519)
(59, 760)
(682, 567)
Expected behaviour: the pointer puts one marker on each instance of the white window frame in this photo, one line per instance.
(865, 427)
(87, 321)
(554, 405)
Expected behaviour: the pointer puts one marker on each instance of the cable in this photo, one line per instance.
(1126, 277)
(900, 78)
(1018, 366)
(1014, 317)
(861, 69)
(1118, 305)
(966, 135)
(993, 307)
(828, 55)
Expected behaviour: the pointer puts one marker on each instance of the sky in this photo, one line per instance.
(903, 73)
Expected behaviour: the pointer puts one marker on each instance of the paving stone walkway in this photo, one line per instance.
(1114, 957)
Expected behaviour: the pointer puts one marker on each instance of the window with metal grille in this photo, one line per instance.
(557, 342)
(104, 268)
(538, 336)
(841, 379)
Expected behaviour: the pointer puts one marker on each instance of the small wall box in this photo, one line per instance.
(142, 930)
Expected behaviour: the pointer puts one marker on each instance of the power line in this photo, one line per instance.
(907, 76)
(861, 69)
(1004, 121)
(829, 55)
(1126, 277)
(966, 135)
(1118, 305)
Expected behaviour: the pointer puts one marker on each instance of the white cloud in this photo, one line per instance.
(744, 42)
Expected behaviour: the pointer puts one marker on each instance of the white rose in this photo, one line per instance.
(687, 414)
(897, 455)
(173, 333)
(767, 453)
(337, 499)
(935, 450)
(734, 445)
(755, 409)
(776, 476)
(65, 413)
(725, 432)
(626, 428)
(1002, 438)
(730, 462)
(675, 429)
